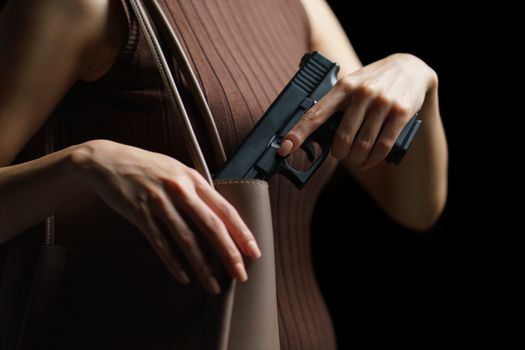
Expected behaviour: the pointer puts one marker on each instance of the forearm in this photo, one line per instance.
(31, 191)
(415, 192)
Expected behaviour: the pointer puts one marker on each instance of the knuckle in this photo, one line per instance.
(311, 118)
(201, 185)
(153, 196)
(215, 224)
(185, 240)
(346, 84)
(382, 101)
(363, 145)
(234, 256)
(310, 114)
(401, 111)
(194, 174)
(188, 198)
(344, 137)
(229, 210)
(176, 184)
(384, 145)
(365, 91)
(182, 189)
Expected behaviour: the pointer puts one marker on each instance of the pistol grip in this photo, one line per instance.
(404, 141)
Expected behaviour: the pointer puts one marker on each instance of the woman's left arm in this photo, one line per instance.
(378, 100)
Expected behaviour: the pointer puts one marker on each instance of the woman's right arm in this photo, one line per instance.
(45, 47)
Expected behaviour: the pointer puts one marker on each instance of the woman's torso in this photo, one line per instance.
(244, 52)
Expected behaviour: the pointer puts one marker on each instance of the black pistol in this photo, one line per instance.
(257, 157)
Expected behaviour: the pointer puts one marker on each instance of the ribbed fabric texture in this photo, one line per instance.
(244, 52)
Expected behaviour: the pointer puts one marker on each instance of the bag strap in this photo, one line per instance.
(49, 229)
(225, 307)
(175, 48)
(169, 83)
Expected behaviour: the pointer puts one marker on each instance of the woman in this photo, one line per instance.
(85, 62)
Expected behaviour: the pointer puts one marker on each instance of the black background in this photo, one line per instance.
(384, 283)
(451, 285)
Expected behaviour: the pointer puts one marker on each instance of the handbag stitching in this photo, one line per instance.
(50, 231)
(232, 182)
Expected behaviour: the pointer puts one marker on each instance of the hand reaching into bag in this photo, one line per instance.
(150, 188)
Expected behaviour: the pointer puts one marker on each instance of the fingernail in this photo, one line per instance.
(254, 250)
(212, 285)
(183, 277)
(241, 272)
(285, 148)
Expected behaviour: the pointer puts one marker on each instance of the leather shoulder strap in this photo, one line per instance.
(173, 94)
(175, 48)
(226, 307)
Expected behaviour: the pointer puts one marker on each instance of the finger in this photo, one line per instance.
(348, 128)
(215, 230)
(161, 247)
(241, 234)
(395, 122)
(316, 116)
(367, 135)
(186, 240)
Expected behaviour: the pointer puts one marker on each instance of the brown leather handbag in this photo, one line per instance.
(92, 291)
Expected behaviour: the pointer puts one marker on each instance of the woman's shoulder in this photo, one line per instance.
(95, 29)
(45, 47)
(106, 33)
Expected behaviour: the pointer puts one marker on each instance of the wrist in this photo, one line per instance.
(85, 159)
(430, 109)
(412, 62)
(433, 80)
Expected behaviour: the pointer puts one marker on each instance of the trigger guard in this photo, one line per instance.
(309, 149)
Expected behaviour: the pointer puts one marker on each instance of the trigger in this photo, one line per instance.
(308, 147)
